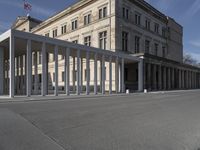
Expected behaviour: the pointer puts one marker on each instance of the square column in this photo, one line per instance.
(110, 75)
(29, 69)
(12, 67)
(88, 73)
(56, 70)
(122, 76)
(169, 78)
(1, 71)
(160, 77)
(67, 71)
(36, 72)
(95, 73)
(164, 78)
(117, 75)
(44, 70)
(154, 77)
(103, 74)
(140, 76)
(149, 77)
(78, 73)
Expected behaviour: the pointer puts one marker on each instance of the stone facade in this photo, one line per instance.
(130, 26)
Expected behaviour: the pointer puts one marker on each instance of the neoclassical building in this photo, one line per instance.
(95, 46)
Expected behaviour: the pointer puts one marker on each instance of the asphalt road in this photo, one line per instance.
(156, 121)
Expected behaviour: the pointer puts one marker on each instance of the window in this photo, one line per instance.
(163, 32)
(75, 41)
(74, 24)
(156, 28)
(46, 34)
(40, 78)
(63, 76)
(164, 51)
(75, 75)
(54, 79)
(137, 18)
(64, 29)
(87, 19)
(124, 41)
(102, 12)
(148, 24)
(125, 13)
(87, 41)
(40, 58)
(147, 46)
(103, 40)
(55, 33)
(156, 49)
(137, 44)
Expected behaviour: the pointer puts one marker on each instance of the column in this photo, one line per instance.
(29, 69)
(110, 75)
(180, 81)
(140, 75)
(78, 73)
(36, 73)
(183, 78)
(87, 73)
(67, 71)
(81, 79)
(1, 71)
(164, 78)
(169, 78)
(56, 70)
(74, 74)
(154, 77)
(160, 77)
(95, 73)
(21, 75)
(17, 76)
(44, 70)
(103, 74)
(12, 67)
(122, 77)
(149, 77)
(117, 75)
(173, 79)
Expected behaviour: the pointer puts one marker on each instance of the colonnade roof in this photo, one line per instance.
(21, 38)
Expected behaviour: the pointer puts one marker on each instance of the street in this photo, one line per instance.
(153, 121)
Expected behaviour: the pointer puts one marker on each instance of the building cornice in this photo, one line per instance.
(61, 14)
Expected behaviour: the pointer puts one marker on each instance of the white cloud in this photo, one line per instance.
(196, 56)
(195, 43)
(194, 9)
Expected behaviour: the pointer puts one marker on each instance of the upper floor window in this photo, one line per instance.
(137, 44)
(75, 41)
(137, 19)
(147, 46)
(164, 51)
(148, 24)
(125, 13)
(163, 32)
(156, 28)
(87, 41)
(103, 12)
(124, 41)
(74, 24)
(103, 40)
(64, 29)
(156, 49)
(87, 19)
(55, 33)
(46, 34)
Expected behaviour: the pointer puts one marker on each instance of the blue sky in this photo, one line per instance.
(185, 12)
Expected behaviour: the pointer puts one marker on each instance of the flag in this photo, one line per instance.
(27, 6)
